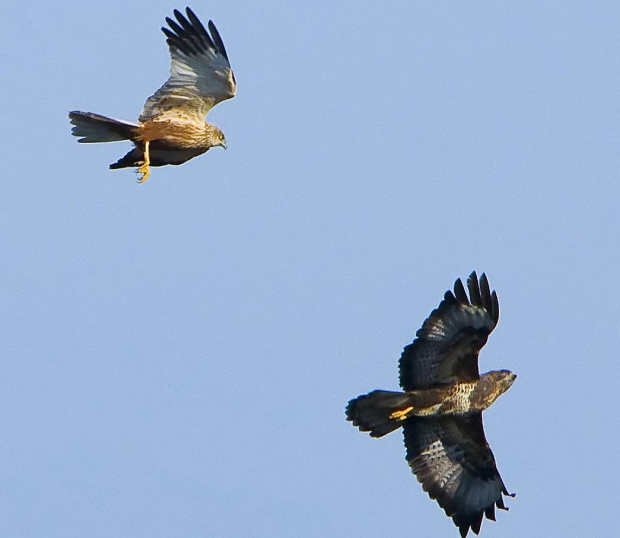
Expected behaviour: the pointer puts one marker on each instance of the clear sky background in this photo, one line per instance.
(177, 355)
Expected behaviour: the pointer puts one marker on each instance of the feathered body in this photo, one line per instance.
(171, 142)
(380, 412)
(441, 407)
(172, 127)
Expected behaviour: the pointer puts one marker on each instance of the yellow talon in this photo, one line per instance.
(144, 169)
(400, 415)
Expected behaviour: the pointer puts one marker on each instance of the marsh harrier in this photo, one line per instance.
(172, 127)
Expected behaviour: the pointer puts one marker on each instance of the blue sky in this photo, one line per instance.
(177, 355)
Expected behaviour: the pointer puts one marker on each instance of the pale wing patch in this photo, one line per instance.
(200, 73)
(455, 320)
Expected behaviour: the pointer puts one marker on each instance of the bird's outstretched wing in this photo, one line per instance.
(200, 73)
(446, 347)
(452, 460)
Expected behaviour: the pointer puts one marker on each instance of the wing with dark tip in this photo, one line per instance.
(446, 347)
(200, 73)
(452, 460)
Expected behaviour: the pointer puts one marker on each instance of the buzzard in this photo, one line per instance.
(172, 127)
(441, 407)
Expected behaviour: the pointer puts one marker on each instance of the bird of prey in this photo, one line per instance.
(441, 407)
(172, 127)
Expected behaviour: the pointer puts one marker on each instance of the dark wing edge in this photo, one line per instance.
(217, 39)
(191, 37)
(452, 460)
(447, 344)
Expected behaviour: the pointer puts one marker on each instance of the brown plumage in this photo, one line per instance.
(172, 128)
(441, 407)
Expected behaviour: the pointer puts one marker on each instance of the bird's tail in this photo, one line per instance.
(96, 128)
(379, 412)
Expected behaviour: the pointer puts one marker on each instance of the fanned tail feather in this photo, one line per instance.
(96, 128)
(378, 412)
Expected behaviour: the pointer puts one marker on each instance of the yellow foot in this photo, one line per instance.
(400, 415)
(145, 171)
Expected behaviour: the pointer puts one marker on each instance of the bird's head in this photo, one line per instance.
(503, 380)
(507, 378)
(219, 139)
(494, 384)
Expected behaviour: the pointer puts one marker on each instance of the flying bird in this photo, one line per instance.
(441, 407)
(172, 127)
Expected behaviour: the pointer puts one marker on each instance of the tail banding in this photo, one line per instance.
(96, 128)
(379, 412)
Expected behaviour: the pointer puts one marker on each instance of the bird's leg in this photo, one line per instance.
(144, 169)
(401, 414)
